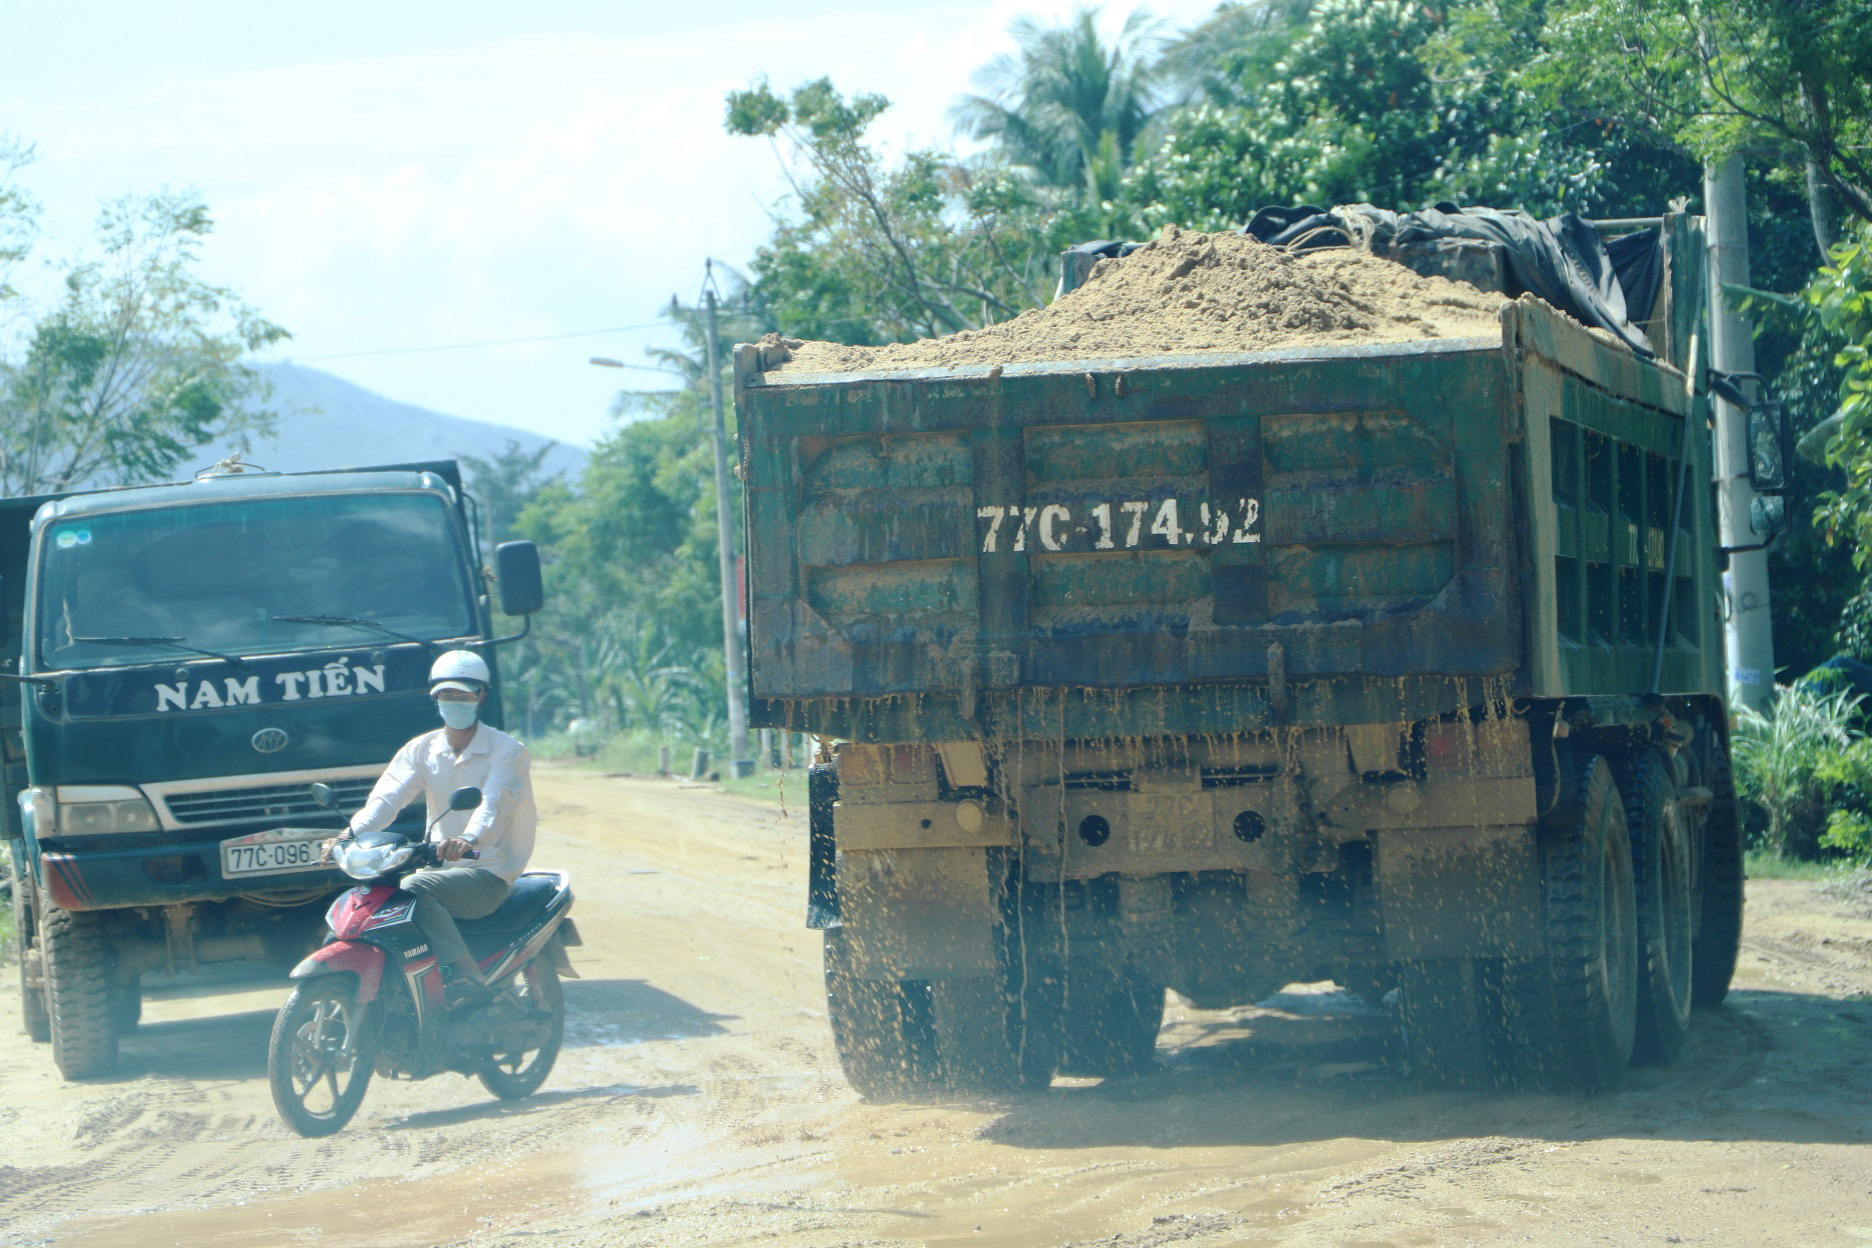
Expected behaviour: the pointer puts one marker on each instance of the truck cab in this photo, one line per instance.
(191, 658)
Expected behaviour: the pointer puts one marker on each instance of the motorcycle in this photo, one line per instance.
(371, 1000)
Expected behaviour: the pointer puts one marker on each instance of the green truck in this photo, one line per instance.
(1398, 665)
(185, 661)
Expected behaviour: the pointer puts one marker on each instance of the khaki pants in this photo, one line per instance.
(446, 894)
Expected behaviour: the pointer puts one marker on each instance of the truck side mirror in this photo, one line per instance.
(1767, 431)
(517, 570)
(465, 798)
(1767, 514)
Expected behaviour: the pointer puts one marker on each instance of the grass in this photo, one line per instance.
(1763, 864)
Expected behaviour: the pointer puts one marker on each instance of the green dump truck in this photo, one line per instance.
(1398, 665)
(183, 663)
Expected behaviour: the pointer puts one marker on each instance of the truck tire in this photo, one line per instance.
(1574, 1012)
(1719, 933)
(1450, 1011)
(35, 1018)
(1109, 1023)
(1662, 885)
(127, 1005)
(880, 1027)
(78, 992)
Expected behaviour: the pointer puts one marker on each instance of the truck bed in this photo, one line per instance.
(1195, 543)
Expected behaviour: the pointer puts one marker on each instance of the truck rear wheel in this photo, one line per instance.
(1110, 1022)
(1661, 879)
(1575, 1011)
(967, 1035)
(34, 1017)
(78, 993)
(1719, 933)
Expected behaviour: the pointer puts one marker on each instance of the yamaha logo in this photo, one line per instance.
(270, 740)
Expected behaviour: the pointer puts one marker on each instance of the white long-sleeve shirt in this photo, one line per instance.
(501, 828)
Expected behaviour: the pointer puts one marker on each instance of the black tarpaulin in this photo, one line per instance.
(1562, 259)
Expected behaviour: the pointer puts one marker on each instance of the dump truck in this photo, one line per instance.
(1397, 665)
(186, 661)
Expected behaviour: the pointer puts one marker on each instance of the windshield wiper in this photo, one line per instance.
(174, 643)
(355, 622)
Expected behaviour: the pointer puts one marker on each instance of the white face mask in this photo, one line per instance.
(458, 715)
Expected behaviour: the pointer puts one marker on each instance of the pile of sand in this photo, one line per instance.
(1187, 293)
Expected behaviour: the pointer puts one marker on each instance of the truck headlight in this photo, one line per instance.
(103, 810)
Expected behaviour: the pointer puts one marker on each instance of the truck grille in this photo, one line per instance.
(272, 801)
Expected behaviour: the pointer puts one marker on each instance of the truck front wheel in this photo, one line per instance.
(1661, 872)
(1719, 933)
(33, 1014)
(78, 993)
(1576, 1009)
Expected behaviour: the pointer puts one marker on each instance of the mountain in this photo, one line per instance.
(328, 422)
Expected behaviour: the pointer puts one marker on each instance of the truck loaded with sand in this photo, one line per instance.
(1256, 614)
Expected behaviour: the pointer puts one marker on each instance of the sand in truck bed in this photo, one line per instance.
(1192, 293)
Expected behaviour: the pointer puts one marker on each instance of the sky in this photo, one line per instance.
(387, 178)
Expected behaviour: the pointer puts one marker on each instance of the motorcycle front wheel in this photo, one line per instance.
(520, 1071)
(317, 1062)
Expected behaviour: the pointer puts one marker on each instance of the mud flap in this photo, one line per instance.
(822, 899)
(565, 935)
(1459, 892)
(913, 914)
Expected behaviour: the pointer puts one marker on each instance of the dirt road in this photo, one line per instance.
(698, 1102)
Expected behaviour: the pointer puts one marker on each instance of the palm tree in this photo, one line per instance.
(1069, 107)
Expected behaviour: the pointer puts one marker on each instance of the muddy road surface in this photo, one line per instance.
(697, 1102)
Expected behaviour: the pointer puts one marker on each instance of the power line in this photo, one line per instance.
(470, 346)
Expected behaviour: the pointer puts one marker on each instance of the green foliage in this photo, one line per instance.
(137, 365)
(1398, 103)
(1841, 294)
(1790, 82)
(1795, 763)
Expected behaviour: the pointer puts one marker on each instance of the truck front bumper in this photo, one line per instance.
(163, 874)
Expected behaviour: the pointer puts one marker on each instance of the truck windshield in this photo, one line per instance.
(219, 577)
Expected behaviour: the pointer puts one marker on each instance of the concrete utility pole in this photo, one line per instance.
(1747, 624)
(742, 760)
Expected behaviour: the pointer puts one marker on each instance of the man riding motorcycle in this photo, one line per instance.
(499, 832)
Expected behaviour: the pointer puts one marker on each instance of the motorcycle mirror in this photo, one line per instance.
(465, 798)
(323, 795)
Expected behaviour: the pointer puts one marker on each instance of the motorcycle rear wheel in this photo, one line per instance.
(511, 1076)
(318, 1061)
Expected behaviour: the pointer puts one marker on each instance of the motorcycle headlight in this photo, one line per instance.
(367, 862)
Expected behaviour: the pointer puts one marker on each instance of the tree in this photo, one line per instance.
(1069, 109)
(879, 252)
(504, 484)
(137, 365)
(1790, 83)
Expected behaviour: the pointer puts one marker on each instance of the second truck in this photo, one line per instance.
(1392, 662)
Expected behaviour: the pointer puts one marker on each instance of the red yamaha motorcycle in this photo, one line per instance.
(371, 1001)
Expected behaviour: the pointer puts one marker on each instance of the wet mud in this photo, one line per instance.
(698, 1102)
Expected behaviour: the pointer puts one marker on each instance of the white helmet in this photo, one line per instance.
(459, 669)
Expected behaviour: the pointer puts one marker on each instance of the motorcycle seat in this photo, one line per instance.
(531, 894)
